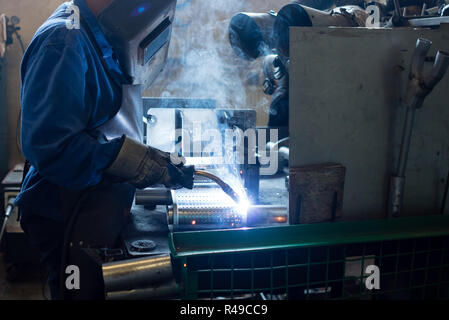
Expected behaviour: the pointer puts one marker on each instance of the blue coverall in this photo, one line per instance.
(67, 93)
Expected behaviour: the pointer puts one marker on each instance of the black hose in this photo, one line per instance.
(20, 41)
(68, 229)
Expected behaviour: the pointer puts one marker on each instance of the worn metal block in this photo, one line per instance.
(316, 193)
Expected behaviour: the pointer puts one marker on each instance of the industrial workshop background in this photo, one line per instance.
(335, 205)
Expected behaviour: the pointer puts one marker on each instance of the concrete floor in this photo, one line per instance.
(28, 286)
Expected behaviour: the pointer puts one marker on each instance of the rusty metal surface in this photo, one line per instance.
(316, 193)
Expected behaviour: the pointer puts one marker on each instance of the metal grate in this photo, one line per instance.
(410, 268)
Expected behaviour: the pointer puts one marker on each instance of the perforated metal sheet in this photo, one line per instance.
(206, 206)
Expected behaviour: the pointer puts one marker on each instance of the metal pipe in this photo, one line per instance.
(266, 214)
(169, 289)
(439, 69)
(446, 191)
(137, 273)
(8, 211)
(419, 56)
(418, 89)
(154, 196)
(397, 8)
(198, 216)
(406, 140)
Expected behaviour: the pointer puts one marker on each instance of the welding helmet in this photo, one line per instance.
(140, 32)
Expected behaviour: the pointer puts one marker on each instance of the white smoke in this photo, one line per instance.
(202, 63)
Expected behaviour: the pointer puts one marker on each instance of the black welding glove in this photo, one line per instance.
(145, 166)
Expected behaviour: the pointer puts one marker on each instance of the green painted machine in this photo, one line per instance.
(409, 257)
(316, 261)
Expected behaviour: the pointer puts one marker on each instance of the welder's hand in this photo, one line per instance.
(145, 166)
(172, 173)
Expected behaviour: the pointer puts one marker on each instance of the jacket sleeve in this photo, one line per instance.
(55, 117)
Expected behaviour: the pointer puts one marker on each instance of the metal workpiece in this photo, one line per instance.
(419, 87)
(397, 185)
(148, 273)
(9, 208)
(206, 207)
(259, 215)
(154, 196)
(209, 208)
(165, 290)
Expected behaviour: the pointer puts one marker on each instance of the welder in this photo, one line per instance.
(81, 131)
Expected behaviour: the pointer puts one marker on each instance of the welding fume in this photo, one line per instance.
(266, 36)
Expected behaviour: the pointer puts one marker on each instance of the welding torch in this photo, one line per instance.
(162, 196)
(223, 185)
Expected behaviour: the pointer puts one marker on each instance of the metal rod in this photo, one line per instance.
(134, 274)
(154, 196)
(406, 139)
(414, 98)
(8, 212)
(443, 207)
(397, 8)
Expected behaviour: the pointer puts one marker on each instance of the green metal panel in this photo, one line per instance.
(320, 261)
(221, 241)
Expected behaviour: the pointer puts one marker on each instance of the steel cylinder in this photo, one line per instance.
(251, 34)
(154, 196)
(258, 215)
(168, 289)
(142, 273)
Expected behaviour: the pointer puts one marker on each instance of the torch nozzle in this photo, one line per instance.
(223, 185)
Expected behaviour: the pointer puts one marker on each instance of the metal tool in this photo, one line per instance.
(418, 88)
(223, 185)
(8, 211)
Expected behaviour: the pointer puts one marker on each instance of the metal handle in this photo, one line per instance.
(8, 211)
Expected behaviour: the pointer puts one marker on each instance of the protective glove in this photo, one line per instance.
(145, 166)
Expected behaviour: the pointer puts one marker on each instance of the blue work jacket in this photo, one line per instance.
(67, 93)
